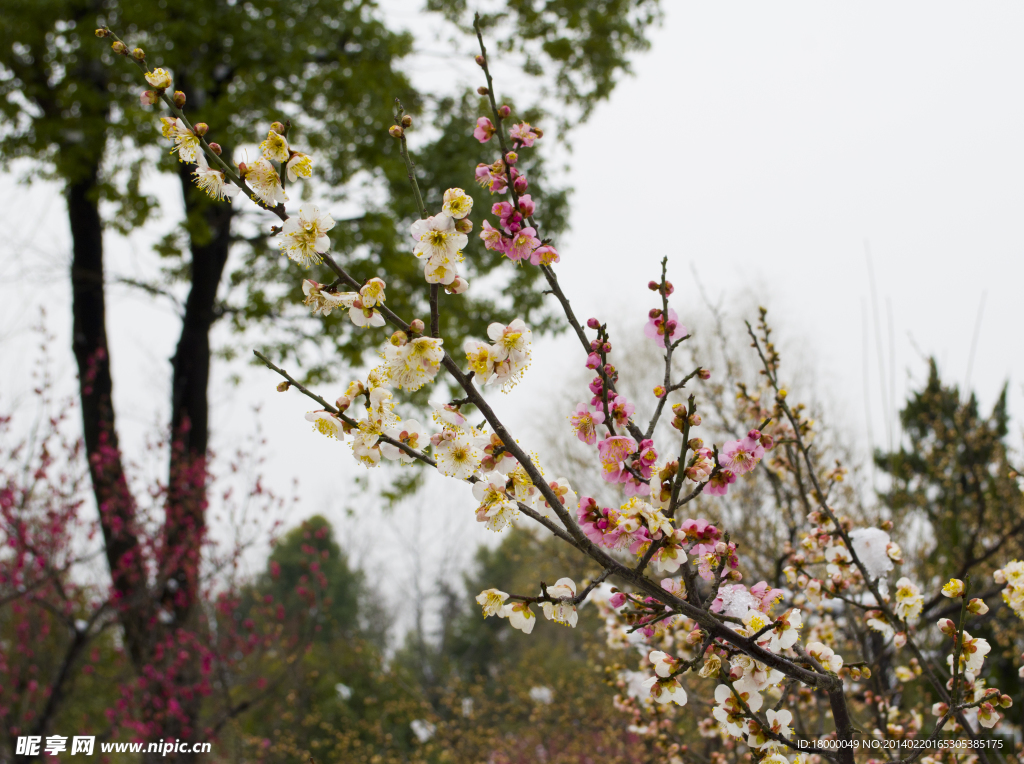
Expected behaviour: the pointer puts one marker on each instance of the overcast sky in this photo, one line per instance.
(768, 148)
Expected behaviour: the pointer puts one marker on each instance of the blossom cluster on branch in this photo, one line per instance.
(694, 621)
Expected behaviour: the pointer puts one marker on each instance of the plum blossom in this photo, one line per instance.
(584, 423)
(324, 302)
(1013, 576)
(186, 143)
(719, 483)
(786, 631)
(510, 351)
(613, 452)
(493, 238)
(564, 611)
(299, 166)
(730, 712)
(326, 423)
(545, 255)
(909, 601)
(658, 328)
(159, 78)
(266, 183)
(741, 456)
(457, 456)
(497, 509)
(973, 652)
(411, 433)
(825, 655)
(520, 616)
(304, 236)
(492, 601)
(457, 203)
(437, 238)
(523, 244)
(275, 147)
(953, 588)
(666, 690)
(522, 134)
(213, 182)
(412, 365)
(484, 130)
(566, 497)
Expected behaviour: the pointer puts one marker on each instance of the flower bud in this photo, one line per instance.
(694, 443)
(537, 131)
(104, 32)
(504, 110)
(735, 673)
(399, 338)
(669, 289)
(396, 131)
(283, 386)
(119, 47)
(694, 420)
(1005, 701)
(654, 312)
(735, 575)
(865, 672)
(215, 148)
(609, 370)
(977, 606)
(416, 326)
(593, 323)
(721, 549)
(704, 374)
(520, 184)
(659, 391)
(406, 121)
(139, 54)
(278, 128)
(900, 639)
(607, 347)
(149, 98)
(482, 90)
(480, 60)
(767, 441)
(200, 128)
(343, 403)
(855, 673)
(243, 168)
(653, 286)
(947, 627)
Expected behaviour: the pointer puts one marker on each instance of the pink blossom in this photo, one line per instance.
(596, 385)
(484, 130)
(526, 205)
(657, 328)
(492, 238)
(620, 409)
(617, 600)
(646, 460)
(593, 361)
(766, 596)
(519, 182)
(523, 244)
(700, 529)
(613, 452)
(584, 422)
(522, 134)
(544, 255)
(634, 487)
(741, 456)
(719, 483)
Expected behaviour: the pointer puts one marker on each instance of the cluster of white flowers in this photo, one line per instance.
(440, 239)
(362, 305)
(505, 359)
(1013, 576)
(559, 608)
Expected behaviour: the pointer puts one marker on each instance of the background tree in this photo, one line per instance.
(333, 68)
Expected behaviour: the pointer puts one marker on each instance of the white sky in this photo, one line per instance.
(761, 145)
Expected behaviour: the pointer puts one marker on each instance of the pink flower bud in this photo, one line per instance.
(504, 111)
(659, 392)
(416, 326)
(149, 98)
(343, 403)
(654, 312)
(178, 98)
(520, 184)
(201, 128)
(721, 549)
(511, 158)
(617, 600)
(593, 361)
(694, 420)
(947, 627)
(704, 374)
(216, 149)
(900, 639)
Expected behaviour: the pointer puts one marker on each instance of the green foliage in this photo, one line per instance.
(582, 45)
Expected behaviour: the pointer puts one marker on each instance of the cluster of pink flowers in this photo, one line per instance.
(737, 457)
(514, 237)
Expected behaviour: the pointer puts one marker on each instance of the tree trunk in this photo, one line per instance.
(114, 500)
